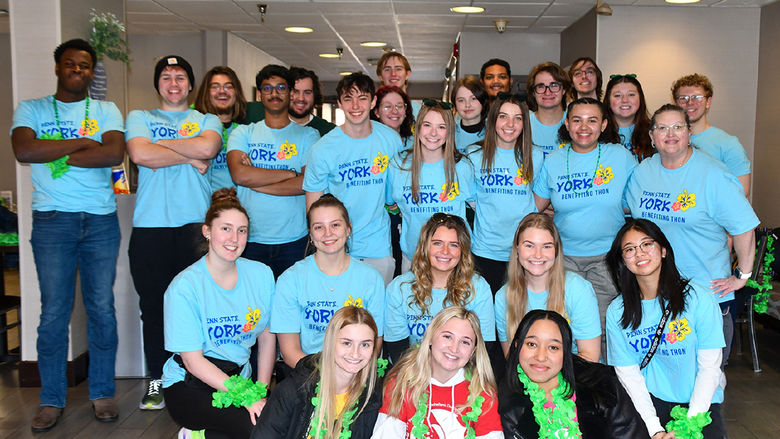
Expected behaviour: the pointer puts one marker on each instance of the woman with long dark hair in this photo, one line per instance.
(471, 104)
(549, 392)
(627, 120)
(664, 334)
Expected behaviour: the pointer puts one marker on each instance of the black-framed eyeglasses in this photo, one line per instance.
(434, 102)
(627, 75)
(280, 88)
(554, 87)
(684, 99)
(647, 246)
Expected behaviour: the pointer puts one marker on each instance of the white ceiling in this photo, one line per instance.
(423, 30)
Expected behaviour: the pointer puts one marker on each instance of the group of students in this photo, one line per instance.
(453, 321)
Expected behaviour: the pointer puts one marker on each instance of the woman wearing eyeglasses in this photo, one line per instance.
(678, 364)
(696, 202)
(584, 181)
(442, 275)
(627, 119)
(394, 109)
(431, 177)
(470, 98)
(547, 87)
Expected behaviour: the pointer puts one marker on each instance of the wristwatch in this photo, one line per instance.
(741, 275)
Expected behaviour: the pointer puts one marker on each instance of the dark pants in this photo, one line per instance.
(278, 257)
(191, 408)
(157, 255)
(493, 271)
(716, 429)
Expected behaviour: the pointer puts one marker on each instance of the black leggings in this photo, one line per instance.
(715, 430)
(191, 408)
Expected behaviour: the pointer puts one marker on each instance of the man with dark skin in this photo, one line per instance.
(71, 142)
(496, 76)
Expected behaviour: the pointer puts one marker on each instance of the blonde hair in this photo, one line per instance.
(516, 288)
(412, 374)
(325, 414)
(451, 154)
(460, 290)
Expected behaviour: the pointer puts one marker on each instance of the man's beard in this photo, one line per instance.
(297, 115)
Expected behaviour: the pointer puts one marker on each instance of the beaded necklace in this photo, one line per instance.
(60, 166)
(550, 421)
(420, 430)
(568, 173)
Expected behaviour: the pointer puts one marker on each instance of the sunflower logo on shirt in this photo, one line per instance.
(189, 128)
(380, 163)
(252, 318)
(88, 127)
(449, 193)
(356, 302)
(603, 175)
(684, 201)
(519, 178)
(678, 329)
(287, 150)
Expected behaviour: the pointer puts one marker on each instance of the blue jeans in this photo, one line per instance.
(61, 242)
(279, 257)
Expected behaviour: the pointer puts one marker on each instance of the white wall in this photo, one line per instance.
(247, 60)
(522, 51)
(661, 44)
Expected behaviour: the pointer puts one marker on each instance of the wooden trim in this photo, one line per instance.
(75, 372)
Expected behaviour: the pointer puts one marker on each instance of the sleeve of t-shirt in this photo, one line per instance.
(396, 326)
(482, 305)
(24, 116)
(239, 139)
(500, 313)
(315, 178)
(709, 320)
(112, 118)
(136, 126)
(584, 312)
(538, 160)
(389, 182)
(735, 157)
(375, 286)
(728, 206)
(182, 322)
(285, 311)
(267, 291)
(466, 179)
(211, 123)
(617, 345)
(311, 139)
(541, 188)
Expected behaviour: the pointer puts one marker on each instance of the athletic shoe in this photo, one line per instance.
(153, 400)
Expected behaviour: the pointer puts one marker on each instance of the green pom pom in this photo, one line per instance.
(58, 167)
(686, 427)
(242, 392)
(381, 367)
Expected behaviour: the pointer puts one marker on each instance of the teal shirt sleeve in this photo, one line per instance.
(183, 332)
(136, 126)
(315, 178)
(239, 139)
(582, 308)
(286, 312)
(541, 187)
(482, 305)
(709, 319)
(376, 303)
(500, 314)
(396, 327)
(617, 343)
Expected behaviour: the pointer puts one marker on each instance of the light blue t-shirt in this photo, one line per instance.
(671, 373)
(494, 221)
(435, 196)
(275, 219)
(545, 136)
(464, 139)
(176, 195)
(694, 206)
(625, 134)
(403, 320)
(219, 174)
(355, 171)
(582, 309)
(224, 324)
(306, 299)
(588, 199)
(79, 189)
(724, 147)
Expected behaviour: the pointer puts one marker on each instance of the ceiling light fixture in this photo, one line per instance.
(299, 29)
(262, 9)
(500, 25)
(329, 55)
(345, 73)
(373, 44)
(681, 1)
(604, 8)
(467, 9)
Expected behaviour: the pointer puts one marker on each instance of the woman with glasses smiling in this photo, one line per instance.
(547, 87)
(664, 336)
(697, 202)
(394, 109)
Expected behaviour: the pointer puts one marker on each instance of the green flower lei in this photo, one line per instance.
(551, 421)
(242, 392)
(381, 367)
(764, 289)
(419, 429)
(685, 427)
(346, 420)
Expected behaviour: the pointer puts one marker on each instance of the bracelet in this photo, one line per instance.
(241, 392)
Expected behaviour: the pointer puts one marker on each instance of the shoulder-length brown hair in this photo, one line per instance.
(203, 101)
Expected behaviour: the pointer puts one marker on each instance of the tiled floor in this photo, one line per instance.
(752, 407)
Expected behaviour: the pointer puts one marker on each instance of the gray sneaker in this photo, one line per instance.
(153, 400)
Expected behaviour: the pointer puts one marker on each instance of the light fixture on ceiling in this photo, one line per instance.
(681, 1)
(340, 51)
(329, 55)
(604, 8)
(299, 29)
(345, 73)
(373, 44)
(262, 9)
(500, 25)
(467, 9)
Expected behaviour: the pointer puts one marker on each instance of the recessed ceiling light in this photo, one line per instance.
(373, 44)
(299, 29)
(682, 1)
(345, 73)
(468, 9)
(329, 55)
